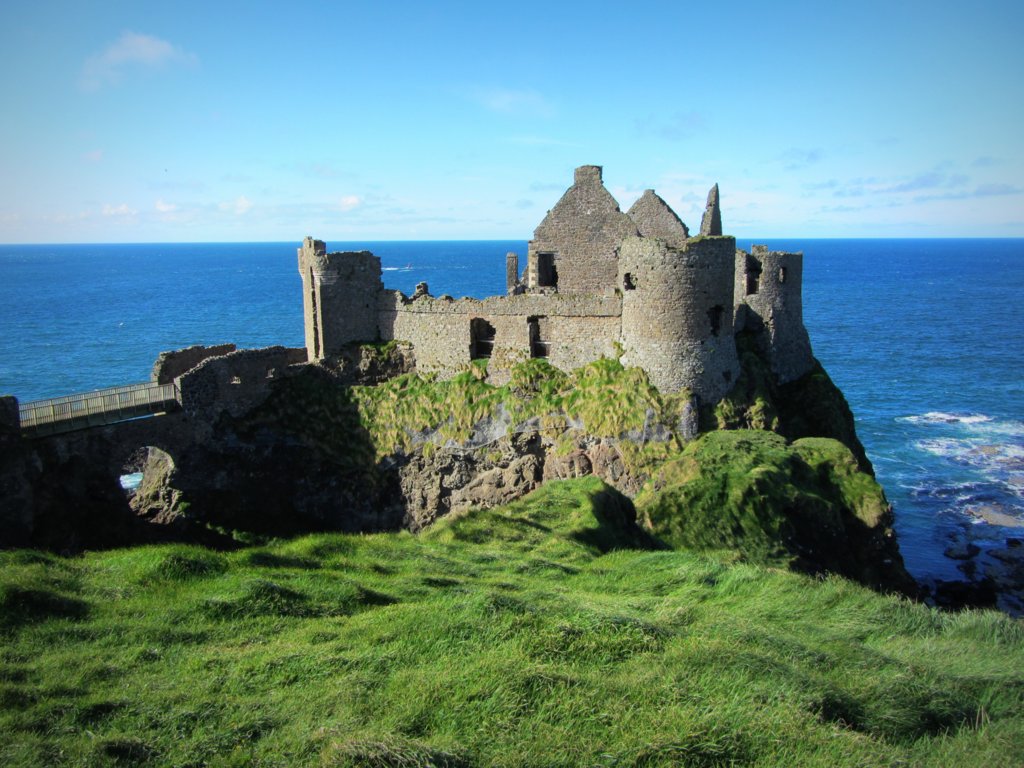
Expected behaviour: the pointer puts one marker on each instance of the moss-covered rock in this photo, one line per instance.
(811, 406)
(805, 505)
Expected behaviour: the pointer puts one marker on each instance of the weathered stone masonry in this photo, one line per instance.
(597, 282)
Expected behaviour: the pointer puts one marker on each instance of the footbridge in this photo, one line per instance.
(57, 415)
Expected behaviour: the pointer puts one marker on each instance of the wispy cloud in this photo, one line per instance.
(118, 210)
(796, 159)
(348, 202)
(982, 190)
(511, 101)
(239, 207)
(94, 156)
(941, 184)
(675, 127)
(165, 207)
(131, 51)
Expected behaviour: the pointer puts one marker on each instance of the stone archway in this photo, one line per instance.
(152, 496)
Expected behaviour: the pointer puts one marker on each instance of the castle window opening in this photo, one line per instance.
(753, 276)
(547, 274)
(481, 335)
(715, 316)
(628, 283)
(539, 345)
(782, 274)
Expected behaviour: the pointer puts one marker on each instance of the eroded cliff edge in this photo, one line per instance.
(363, 443)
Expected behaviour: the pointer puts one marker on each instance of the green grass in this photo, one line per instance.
(600, 399)
(550, 632)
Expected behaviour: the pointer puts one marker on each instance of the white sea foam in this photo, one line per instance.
(941, 417)
(132, 481)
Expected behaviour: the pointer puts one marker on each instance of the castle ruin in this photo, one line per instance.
(597, 282)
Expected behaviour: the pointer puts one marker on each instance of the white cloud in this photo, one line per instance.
(118, 210)
(163, 207)
(240, 207)
(94, 156)
(129, 51)
(348, 202)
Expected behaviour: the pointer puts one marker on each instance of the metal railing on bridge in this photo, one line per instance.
(93, 409)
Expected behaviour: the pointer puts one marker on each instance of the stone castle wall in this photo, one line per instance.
(347, 283)
(236, 382)
(654, 218)
(574, 329)
(768, 295)
(677, 314)
(595, 279)
(171, 365)
(583, 231)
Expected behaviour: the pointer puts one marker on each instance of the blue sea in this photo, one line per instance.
(924, 337)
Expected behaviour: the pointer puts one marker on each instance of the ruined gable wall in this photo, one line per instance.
(768, 293)
(584, 230)
(654, 218)
(677, 318)
(579, 329)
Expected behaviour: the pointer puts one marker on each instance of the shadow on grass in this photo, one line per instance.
(21, 605)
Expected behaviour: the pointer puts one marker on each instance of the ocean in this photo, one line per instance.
(924, 337)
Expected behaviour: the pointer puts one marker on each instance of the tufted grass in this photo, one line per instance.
(601, 399)
(549, 632)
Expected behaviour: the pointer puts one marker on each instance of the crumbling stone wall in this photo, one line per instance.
(654, 218)
(235, 382)
(171, 365)
(768, 293)
(576, 328)
(595, 278)
(677, 314)
(339, 297)
(583, 231)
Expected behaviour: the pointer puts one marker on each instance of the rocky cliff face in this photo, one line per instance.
(364, 444)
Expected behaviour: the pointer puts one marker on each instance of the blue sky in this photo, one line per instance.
(140, 121)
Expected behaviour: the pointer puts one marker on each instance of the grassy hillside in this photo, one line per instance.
(551, 632)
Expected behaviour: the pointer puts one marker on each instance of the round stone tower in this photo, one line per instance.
(768, 296)
(677, 313)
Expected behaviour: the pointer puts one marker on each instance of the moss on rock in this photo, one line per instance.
(811, 406)
(806, 505)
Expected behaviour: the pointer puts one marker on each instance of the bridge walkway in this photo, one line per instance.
(92, 409)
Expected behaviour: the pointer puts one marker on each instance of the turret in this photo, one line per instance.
(339, 297)
(768, 295)
(677, 314)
